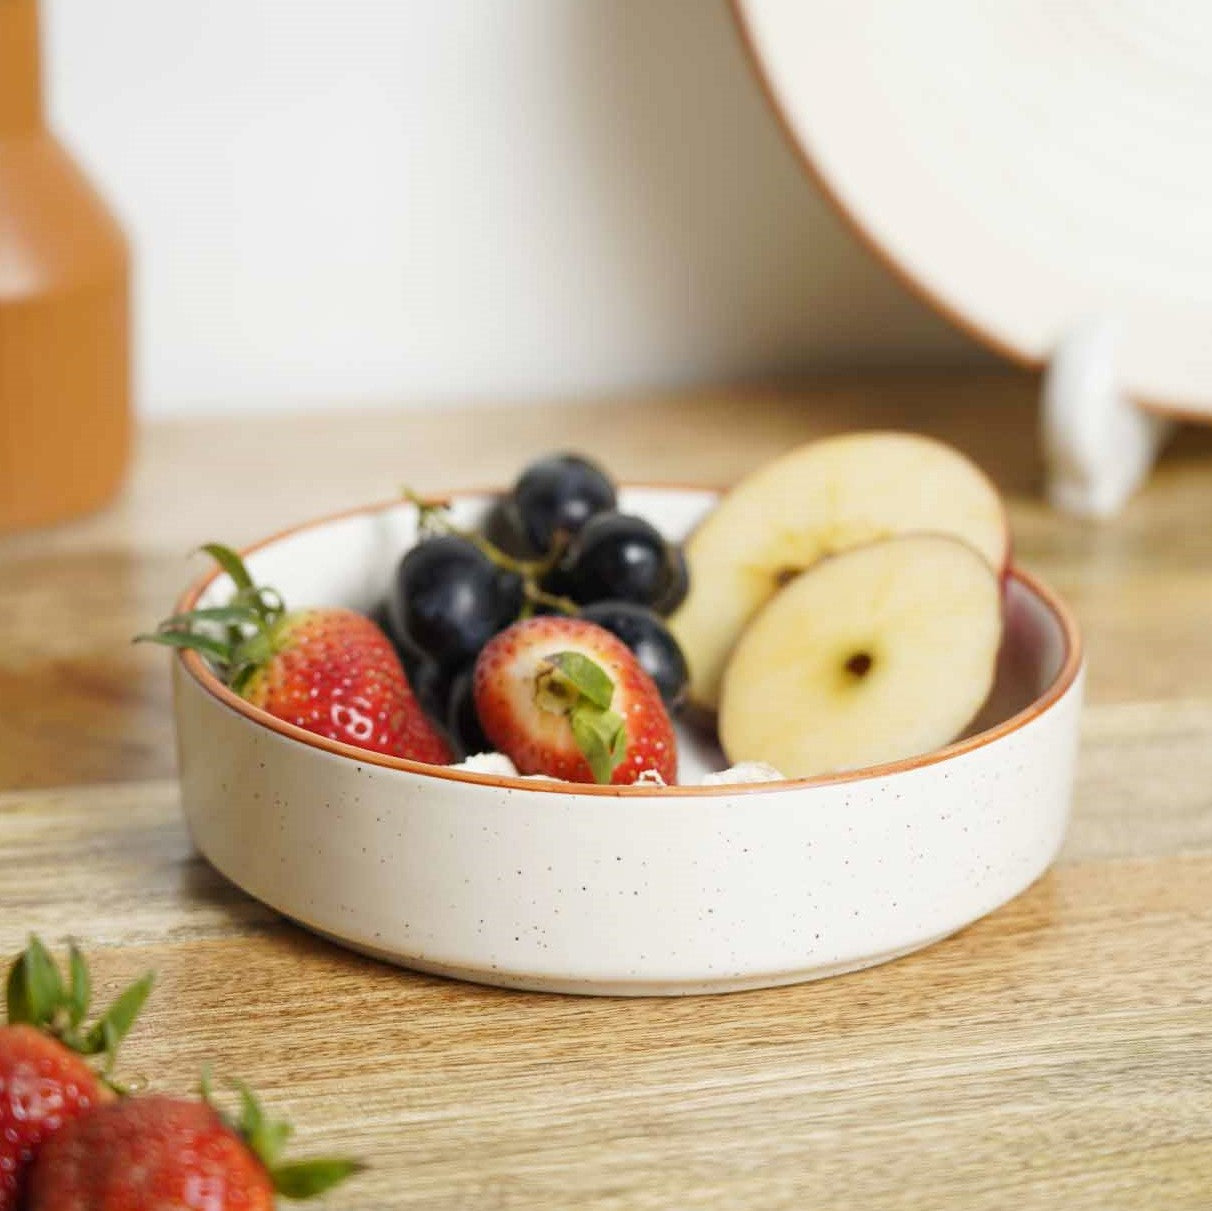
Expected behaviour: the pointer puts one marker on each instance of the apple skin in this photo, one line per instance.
(814, 501)
(876, 654)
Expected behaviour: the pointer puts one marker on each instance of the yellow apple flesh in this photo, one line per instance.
(883, 652)
(815, 501)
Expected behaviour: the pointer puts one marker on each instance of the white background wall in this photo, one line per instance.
(424, 201)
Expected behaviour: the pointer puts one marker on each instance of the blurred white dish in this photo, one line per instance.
(1026, 167)
(621, 890)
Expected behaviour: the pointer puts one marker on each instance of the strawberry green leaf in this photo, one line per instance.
(214, 648)
(231, 563)
(251, 1115)
(257, 648)
(306, 1179)
(17, 998)
(107, 1044)
(34, 993)
(206, 1088)
(45, 984)
(266, 1137)
(239, 676)
(272, 1140)
(81, 993)
(602, 738)
(227, 613)
(247, 620)
(112, 1027)
(586, 676)
(270, 603)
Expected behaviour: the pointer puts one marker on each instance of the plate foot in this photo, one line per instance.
(1099, 446)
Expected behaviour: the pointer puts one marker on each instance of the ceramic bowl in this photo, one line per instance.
(621, 890)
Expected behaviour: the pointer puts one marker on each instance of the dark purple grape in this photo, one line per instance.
(679, 583)
(430, 683)
(426, 677)
(449, 599)
(381, 617)
(462, 722)
(503, 528)
(649, 639)
(560, 492)
(616, 557)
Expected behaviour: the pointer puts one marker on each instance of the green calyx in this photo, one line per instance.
(37, 994)
(266, 1139)
(238, 637)
(570, 684)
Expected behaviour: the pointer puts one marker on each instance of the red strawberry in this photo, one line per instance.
(44, 1082)
(42, 1086)
(160, 1153)
(563, 697)
(330, 671)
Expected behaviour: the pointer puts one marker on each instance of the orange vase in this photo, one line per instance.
(64, 309)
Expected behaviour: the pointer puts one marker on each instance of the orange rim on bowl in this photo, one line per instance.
(201, 672)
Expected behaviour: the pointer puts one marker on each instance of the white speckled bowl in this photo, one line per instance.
(622, 890)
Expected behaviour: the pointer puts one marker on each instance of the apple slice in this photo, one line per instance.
(814, 501)
(882, 652)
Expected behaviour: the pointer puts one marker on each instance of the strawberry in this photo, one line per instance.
(44, 1081)
(330, 671)
(158, 1153)
(563, 697)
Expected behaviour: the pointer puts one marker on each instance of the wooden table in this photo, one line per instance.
(1056, 1054)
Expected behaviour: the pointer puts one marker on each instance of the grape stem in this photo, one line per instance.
(433, 515)
(536, 596)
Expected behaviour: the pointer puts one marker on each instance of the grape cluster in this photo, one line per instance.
(555, 543)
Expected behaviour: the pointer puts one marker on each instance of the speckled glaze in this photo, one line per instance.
(633, 891)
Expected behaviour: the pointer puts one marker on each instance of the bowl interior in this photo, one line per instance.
(349, 561)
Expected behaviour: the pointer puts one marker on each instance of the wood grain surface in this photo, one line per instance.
(1056, 1054)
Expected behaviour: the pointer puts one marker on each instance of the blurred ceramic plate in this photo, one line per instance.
(1026, 167)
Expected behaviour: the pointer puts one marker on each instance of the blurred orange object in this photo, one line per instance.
(65, 415)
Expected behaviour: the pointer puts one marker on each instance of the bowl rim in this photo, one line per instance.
(194, 664)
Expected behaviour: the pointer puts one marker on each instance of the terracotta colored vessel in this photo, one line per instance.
(64, 310)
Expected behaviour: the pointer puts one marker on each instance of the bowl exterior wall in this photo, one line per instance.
(629, 895)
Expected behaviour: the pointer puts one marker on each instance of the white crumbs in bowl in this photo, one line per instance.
(746, 771)
(489, 763)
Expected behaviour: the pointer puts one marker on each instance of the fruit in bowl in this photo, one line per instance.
(556, 495)
(733, 878)
(811, 613)
(555, 543)
(333, 671)
(817, 500)
(882, 651)
(329, 671)
(566, 698)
